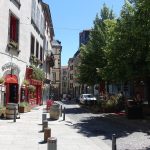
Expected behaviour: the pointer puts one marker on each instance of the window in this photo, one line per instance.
(41, 53)
(54, 77)
(32, 45)
(17, 3)
(71, 67)
(42, 25)
(64, 78)
(38, 18)
(37, 49)
(33, 9)
(14, 29)
(71, 76)
(71, 85)
(64, 85)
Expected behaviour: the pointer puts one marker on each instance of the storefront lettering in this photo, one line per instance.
(11, 66)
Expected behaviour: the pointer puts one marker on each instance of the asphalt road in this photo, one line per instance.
(97, 127)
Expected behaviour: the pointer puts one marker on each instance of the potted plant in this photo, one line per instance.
(1, 80)
(25, 82)
(24, 107)
(2, 111)
(31, 88)
(38, 74)
(13, 44)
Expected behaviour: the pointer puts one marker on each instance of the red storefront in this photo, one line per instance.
(33, 97)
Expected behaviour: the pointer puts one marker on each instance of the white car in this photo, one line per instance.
(87, 99)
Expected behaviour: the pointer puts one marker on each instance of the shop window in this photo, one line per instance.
(14, 30)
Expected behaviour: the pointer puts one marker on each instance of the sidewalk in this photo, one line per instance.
(25, 134)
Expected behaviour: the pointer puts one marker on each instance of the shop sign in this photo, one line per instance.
(11, 66)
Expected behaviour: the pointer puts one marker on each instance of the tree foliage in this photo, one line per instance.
(93, 55)
(119, 49)
(130, 48)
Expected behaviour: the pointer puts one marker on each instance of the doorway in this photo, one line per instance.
(13, 93)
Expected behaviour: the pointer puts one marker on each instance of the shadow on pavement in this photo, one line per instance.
(76, 111)
(69, 102)
(105, 126)
(42, 142)
(108, 124)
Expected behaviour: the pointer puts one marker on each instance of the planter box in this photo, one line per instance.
(3, 112)
(23, 109)
(28, 108)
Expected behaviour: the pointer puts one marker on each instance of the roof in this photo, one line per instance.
(77, 53)
(47, 12)
(56, 43)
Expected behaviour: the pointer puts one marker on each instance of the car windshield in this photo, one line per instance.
(88, 96)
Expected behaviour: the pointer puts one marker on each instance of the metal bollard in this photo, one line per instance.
(114, 147)
(15, 114)
(44, 117)
(52, 143)
(60, 110)
(45, 124)
(47, 134)
(64, 113)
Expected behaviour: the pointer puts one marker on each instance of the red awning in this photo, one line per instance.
(11, 79)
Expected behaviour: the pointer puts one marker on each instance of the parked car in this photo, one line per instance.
(87, 99)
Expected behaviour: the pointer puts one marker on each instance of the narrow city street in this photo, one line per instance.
(131, 134)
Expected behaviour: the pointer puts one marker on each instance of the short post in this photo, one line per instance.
(64, 113)
(15, 114)
(47, 134)
(44, 117)
(52, 143)
(114, 147)
(61, 111)
(45, 124)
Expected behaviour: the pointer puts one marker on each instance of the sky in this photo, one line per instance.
(70, 17)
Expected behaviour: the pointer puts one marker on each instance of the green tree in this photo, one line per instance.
(120, 56)
(92, 54)
(130, 49)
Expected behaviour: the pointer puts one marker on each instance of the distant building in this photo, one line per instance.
(70, 77)
(76, 84)
(64, 80)
(74, 87)
(56, 71)
(84, 37)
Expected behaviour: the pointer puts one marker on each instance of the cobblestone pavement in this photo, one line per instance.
(131, 134)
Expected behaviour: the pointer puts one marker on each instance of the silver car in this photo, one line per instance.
(87, 99)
